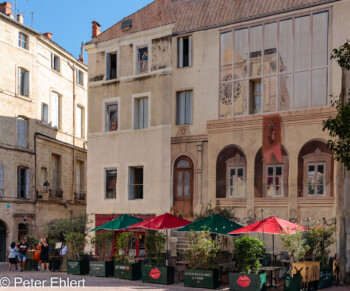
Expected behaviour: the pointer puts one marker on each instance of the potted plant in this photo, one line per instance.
(33, 256)
(76, 264)
(296, 246)
(156, 270)
(248, 251)
(102, 267)
(202, 254)
(124, 264)
(320, 238)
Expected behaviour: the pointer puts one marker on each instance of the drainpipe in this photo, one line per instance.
(74, 105)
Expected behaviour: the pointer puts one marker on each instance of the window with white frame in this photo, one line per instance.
(288, 56)
(23, 182)
(184, 107)
(1, 180)
(79, 77)
(135, 183)
(111, 183)
(140, 112)
(184, 51)
(142, 60)
(22, 132)
(44, 113)
(55, 62)
(274, 180)
(111, 116)
(80, 119)
(236, 182)
(316, 178)
(22, 40)
(111, 66)
(55, 110)
(23, 82)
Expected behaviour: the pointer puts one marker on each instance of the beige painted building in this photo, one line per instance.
(235, 110)
(43, 104)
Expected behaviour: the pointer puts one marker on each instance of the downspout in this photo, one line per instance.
(74, 105)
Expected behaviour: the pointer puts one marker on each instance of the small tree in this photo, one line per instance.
(296, 246)
(248, 251)
(155, 248)
(203, 251)
(124, 243)
(76, 242)
(103, 242)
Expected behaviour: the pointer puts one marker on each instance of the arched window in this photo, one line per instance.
(22, 231)
(231, 173)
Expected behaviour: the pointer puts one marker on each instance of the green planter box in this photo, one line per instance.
(158, 275)
(129, 271)
(54, 264)
(202, 278)
(326, 280)
(251, 282)
(292, 284)
(31, 265)
(102, 268)
(78, 267)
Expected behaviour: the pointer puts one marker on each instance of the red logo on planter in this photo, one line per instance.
(122, 273)
(155, 274)
(243, 281)
(197, 282)
(127, 267)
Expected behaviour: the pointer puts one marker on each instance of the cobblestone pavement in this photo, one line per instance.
(43, 280)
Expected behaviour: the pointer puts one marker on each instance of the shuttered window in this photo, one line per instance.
(23, 82)
(141, 113)
(55, 113)
(23, 183)
(184, 51)
(79, 121)
(55, 62)
(111, 66)
(80, 77)
(184, 107)
(44, 113)
(112, 117)
(22, 134)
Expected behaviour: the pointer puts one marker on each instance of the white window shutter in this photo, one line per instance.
(52, 60)
(77, 177)
(78, 121)
(188, 112)
(26, 84)
(22, 133)
(107, 113)
(131, 183)
(145, 113)
(45, 112)
(190, 51)
(25, 135)
(137, 113)
(108, 66)
(20, 76)
(180, 53)
(54, 110)
(182, 107)
(58, 64)
(27, 193)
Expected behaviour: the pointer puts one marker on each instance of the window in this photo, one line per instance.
(111, 66)
(237, 182)
(22, 133)
(43, 177)
(56, 176)
(55, 62)
(141, 113)
(44, 113)
(316, 178)
(23, 82)
(184, 107)
(274, 180)
(288, 57)
(111, 117)
(79, 177)
(22, 231)
(80, 119)
(80, 77)
(1, 180)
(183, 178)
(23, 183)
(135, 183)
(142, 60)
(111, 183)
(184, 51)
(22, 40)
(55, 110)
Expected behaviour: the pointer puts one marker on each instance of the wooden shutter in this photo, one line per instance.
(180, 52)
(78, 176)
(26, 83)
(108, 66)
(188, 107)
(137, 113)
(190, 51)
(22, 132)
(54, 110)
(145, 112)
(20, 85)
(27, 193)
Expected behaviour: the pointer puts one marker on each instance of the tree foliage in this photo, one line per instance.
(76, 242)
(103, 242)
(155, 248)
(124, 242)
(227, 212)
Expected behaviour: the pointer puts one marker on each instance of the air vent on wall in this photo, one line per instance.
(126, 24)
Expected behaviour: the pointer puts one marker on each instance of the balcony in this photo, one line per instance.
(79, 196)
(55, 193)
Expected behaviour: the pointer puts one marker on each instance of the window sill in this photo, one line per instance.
(182, 68)
(81, 86)
(25, 98)
(57, 72)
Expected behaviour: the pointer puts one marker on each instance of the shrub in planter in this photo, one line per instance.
(202, 254)
(103, 243)
(124, 265)
(77, 264)
(156, 270)
(296, 246)
(248, 252)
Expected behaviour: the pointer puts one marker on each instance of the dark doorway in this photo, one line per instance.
(2, 242)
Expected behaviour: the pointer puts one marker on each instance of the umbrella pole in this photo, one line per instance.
(166, 254)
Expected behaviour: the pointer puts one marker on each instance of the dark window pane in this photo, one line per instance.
(233, 172)
(278, 171)
(240, 172)
(320, 169)
(270, 171)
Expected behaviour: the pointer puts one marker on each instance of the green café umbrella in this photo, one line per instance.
(120, 223)
(214, 224)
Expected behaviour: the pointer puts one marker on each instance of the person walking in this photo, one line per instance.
(22, 256)
(12, 255)
(44, 254)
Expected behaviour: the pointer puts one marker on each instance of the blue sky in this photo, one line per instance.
(70, 20)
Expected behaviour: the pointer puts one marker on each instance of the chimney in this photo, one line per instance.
(20, 18)
(6, 8)
(48, 35)
(96, 29)
(81, 56)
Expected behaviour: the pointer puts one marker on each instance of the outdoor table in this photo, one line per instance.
(271, 270)
(310, 271)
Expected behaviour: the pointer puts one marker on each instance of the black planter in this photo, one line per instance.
(292, 283)
(326, 280)
(31, 265)
(54, 264)
(158, 275)
(251, 282)
(102, 268)
(129, 271)
(202, 278)
(78, 267)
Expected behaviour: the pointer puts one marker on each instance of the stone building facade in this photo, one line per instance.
(43, 125)
(239, 110)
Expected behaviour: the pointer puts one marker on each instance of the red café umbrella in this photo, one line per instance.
(164, 221)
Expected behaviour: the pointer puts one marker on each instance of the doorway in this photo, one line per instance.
(2, 242)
